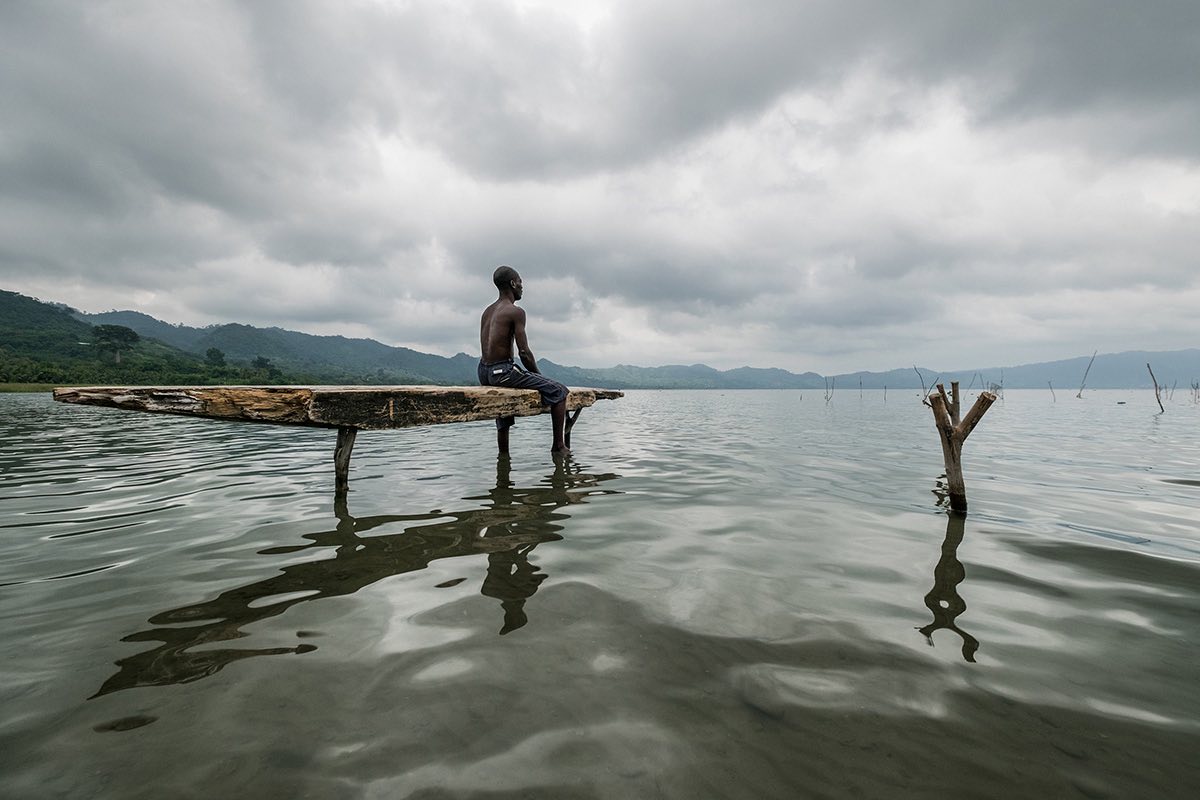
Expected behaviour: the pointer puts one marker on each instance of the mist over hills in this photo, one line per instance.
(31, 330)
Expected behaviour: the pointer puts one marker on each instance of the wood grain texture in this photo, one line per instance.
(363, 407)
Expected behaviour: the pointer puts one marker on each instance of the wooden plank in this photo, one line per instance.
(364, 407)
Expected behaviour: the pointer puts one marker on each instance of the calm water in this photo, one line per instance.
(738, 594)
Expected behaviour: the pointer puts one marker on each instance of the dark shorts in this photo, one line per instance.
(509, 375)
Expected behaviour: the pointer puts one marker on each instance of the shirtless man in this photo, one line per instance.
(502, 324)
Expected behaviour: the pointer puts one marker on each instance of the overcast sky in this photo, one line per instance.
(825, 186)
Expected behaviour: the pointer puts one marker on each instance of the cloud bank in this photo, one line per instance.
(820, 185)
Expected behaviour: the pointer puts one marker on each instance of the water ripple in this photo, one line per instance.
(722, 594)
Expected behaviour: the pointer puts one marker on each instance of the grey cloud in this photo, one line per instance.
(143, 143)
(673, 71)
(643, 271)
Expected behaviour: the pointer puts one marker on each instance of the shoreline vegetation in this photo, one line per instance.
(14, 388)
(43, 345)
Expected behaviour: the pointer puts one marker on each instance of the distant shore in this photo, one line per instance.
(27, 387)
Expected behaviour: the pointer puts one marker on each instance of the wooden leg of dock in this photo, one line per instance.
(502, 441)
(570, 424)
(341, 459)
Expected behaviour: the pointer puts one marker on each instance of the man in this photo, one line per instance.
(503, 322)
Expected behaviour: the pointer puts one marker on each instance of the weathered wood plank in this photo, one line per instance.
(364, 407)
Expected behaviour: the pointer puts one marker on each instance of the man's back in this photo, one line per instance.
(497, 328)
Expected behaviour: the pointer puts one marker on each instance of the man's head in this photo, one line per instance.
(507, 280)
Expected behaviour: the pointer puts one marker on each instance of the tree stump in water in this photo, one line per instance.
(953, 433)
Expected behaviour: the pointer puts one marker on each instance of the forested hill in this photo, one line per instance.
(369, 360)
(43, 342)
(301, 350)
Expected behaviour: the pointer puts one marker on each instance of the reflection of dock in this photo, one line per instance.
(943, 599)
(514, 521)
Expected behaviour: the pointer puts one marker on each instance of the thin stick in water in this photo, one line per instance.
(1085, 374)
(1156, 395)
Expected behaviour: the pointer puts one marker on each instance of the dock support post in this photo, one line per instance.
(570, 424)
(341, 459)
(953, 433)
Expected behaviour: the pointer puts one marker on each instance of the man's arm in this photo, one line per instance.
(523, 350)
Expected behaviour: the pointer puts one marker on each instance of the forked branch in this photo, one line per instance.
(952, 434)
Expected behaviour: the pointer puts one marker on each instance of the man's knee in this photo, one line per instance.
(555, 394)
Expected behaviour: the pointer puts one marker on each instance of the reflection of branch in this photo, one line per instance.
(943, 599)
(513, 521)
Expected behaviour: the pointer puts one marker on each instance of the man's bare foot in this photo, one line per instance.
(560, 452)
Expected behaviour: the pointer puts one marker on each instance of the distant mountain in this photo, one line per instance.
(31, 326)
(695, 376)
(335, 356)
(363, 356)
(1109, 371)
(45, 343)
(180, 336)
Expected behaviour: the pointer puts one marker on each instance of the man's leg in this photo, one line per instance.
(558, 417)
(554, 394)
(502, 426)
(503, 423)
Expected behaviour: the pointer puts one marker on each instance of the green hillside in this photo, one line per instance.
(335, 358)
(373, 360)
(30, 328)
(180, 336)
(45, 344)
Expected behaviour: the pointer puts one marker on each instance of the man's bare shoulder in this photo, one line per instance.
(503, 310)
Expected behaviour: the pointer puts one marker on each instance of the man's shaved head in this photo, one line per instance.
(503, 276)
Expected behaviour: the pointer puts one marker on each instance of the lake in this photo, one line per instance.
(721, 594)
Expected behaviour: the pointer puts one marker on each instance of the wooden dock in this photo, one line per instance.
(346, 408)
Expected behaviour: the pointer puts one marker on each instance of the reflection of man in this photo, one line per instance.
(503, 322)
(510, 578)
(506, 528)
